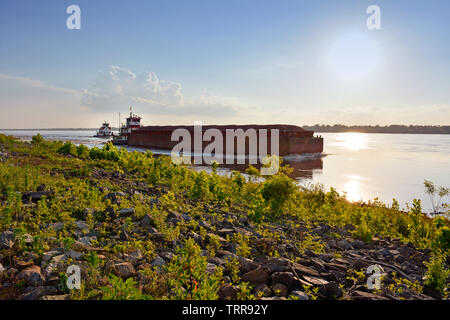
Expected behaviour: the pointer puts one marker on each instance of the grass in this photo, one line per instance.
(79, 179)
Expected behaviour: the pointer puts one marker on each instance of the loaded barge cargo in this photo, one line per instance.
(292, 139)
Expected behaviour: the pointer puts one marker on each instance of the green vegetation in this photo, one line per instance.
(96, 185)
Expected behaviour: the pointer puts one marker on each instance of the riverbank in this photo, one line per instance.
(140, 227)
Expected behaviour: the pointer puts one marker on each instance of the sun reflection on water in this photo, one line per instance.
(352, 188)
(353, 141)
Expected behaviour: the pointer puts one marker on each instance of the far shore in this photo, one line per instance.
(337, 128)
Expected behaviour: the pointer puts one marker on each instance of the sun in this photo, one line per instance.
(353, 56)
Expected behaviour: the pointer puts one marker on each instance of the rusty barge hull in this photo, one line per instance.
(292, 139)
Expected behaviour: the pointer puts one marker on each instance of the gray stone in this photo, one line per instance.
(286, 278)
(48, 255)
(34, 293)
(82, 225)
(32, 276)
(135, 256)
(124, 269)
(158, 262)
(57, 297)
(7, 240)
(148, 221)
(257, 276)
(228, 292)
(280, 289)
(126, 212)
(87, 240)
(299, 295)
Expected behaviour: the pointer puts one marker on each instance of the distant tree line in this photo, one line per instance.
(381, 129)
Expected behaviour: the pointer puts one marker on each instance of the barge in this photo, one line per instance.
(293, 140)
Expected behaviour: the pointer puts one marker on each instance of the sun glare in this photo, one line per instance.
(353, 56)
(352, 188)
(353, 141)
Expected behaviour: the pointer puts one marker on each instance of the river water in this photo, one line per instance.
(364, 166)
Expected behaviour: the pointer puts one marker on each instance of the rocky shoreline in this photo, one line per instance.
(275, 265)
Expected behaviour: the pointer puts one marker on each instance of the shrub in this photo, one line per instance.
(188, 277)
(122, 290)
(437, 273)
(37, 139)
(277, 190)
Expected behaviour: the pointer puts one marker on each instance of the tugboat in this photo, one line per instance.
(105, 131)
(133, 123)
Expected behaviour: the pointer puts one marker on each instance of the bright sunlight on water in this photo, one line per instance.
(364, 166)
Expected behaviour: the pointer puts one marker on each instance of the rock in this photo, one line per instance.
(272, 298)
(263, 289)
(87, 212)
(361, 295)
(50, 254)
(74, 254)
(158, 262)
(299, 295)
(35, 196)
(277, 265)
(286, 278)
(280, 289)
(148, 221)
(34, 293)
(429, 291)
(123, 269)
(324, 257)
(87, 240)
(58, 226)
(205, 225)
(257, 276)
(186, 217)
(21, 265)
(8, 292)
(166, 255)
(115, 196)
(227, 292)
(135, 256)
(358, 244)
(27, 238)
(303, 270)
(211, 268)
(7, 240)
(344, 245)
(82, 225)
(126, 212)
(225, 231)
(32, 276)
(332, 290)
(174, 217)
(246, 265)
(315, 281)
(359, 264)
(57, 297)
(216, 260)
(11, 272)
(197, 238)
(53, 266)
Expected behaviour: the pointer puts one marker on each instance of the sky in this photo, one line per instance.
(223, 62)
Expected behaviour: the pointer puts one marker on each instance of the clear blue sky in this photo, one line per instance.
(224, 61)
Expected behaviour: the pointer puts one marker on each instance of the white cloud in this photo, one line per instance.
(148, 94)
